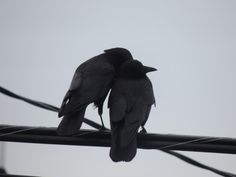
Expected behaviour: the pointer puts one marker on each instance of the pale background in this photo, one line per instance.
(192, 43)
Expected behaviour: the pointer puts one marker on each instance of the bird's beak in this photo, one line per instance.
(147, 69)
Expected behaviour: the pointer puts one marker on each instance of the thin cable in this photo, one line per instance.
(186, 142)
(206, 140)
(18, 131)
(212, 140)
(8, 127)
(198, 164)
(45, 106)
(33, 102)
(82, 134)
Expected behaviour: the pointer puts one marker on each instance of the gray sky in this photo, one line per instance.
(192, 43)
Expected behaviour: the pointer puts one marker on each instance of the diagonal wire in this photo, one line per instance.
(18, 131)
(183, 143)
(212, 140)
(8, 127)
(33, 128)
(82, 134)
(45, 106)
(30, 101)
(201, 140)
(198, 164)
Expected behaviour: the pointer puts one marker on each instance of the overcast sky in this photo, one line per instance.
(192, 43)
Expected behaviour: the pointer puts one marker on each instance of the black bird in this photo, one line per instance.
(130, 103)
(90, 84)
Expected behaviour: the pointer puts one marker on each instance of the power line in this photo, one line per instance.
(44, 106)
(103, 138)
(165, 143)
(198, 164)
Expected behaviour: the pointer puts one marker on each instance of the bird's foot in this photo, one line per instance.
(102, 126)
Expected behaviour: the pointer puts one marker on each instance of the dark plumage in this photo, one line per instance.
(130, 103)
(90, 84)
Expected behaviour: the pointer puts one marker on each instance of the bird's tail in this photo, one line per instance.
(71, 123)
(124, 146)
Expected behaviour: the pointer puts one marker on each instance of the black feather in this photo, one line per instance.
(130, 104)
(90, 84)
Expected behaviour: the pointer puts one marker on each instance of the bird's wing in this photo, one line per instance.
(148, 91)
(75, 84)
(118, 107)
(132, 122)
(148, 109)
(86, 87)
(76, 81)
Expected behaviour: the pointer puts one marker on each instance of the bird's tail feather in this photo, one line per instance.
(71, 123)
(122, 151)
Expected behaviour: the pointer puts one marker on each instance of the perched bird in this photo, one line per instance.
(90, 84)
(129, 103)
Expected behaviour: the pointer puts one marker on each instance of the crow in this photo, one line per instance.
(129, 106)
(91, 83)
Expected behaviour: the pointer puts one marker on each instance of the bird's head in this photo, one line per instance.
(118, 55)
(134, 68)
(119, 52)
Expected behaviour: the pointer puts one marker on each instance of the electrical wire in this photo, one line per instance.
(98, 126)
(45, 106)
(198, 164)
